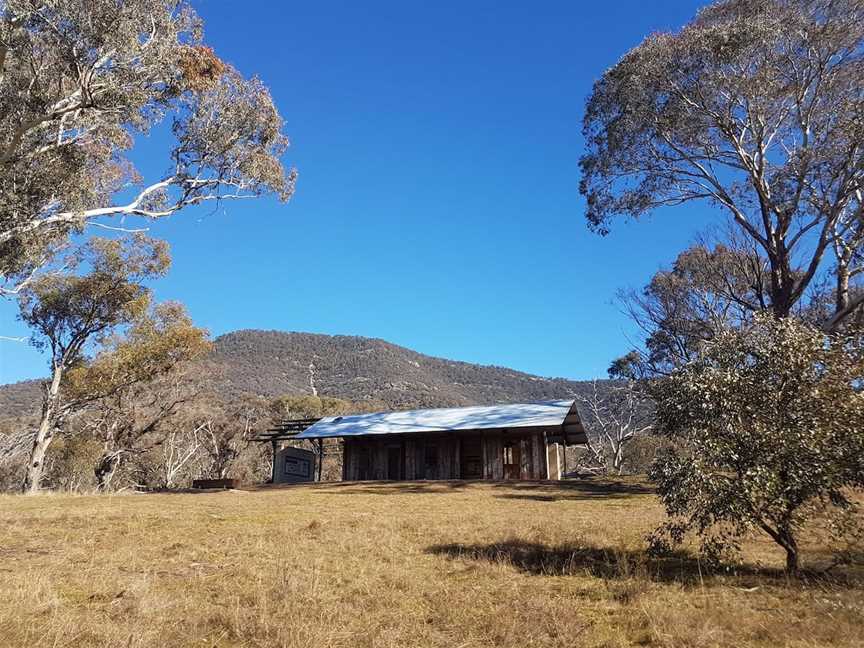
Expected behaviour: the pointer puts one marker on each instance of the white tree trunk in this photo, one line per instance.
(44, 435)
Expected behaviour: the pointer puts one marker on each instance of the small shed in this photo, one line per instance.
(508, 441)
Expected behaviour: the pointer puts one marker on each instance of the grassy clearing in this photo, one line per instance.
(414, 564)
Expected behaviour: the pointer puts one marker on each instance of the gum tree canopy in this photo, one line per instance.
(756, 106)
(79, 81)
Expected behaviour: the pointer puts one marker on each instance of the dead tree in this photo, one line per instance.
(616, 413)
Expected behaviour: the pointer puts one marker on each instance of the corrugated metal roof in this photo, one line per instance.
(450, 419)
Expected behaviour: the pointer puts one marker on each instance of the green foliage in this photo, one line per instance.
(627, 367)
(157, 341)
(70, 466)
(270, 363)
(67, 311)
(307, 406)
(136, 384)
(81, 80)
(767, 430)
(641, 453)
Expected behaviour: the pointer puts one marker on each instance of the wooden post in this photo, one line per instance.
(346, 458)
(546, 456)
(457, 458)
(273, 472)
(564, 474)
(320, 458)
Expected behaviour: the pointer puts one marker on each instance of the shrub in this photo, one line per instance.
(767, 430)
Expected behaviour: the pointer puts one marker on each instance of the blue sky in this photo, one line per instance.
(437, 205)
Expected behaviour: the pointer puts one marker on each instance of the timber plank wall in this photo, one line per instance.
(465, 455)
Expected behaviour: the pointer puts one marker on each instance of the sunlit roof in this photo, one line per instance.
(449, 419)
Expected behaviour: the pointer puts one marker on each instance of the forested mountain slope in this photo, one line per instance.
(270, 363)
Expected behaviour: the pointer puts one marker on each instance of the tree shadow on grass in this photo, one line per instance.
(612, 563)
(576, 490)
(571, 559)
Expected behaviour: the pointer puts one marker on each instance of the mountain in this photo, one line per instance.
(270, 363)
(20, 398)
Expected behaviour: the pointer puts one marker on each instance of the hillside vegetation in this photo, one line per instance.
(358, 368)
(270, 363)
(393, 564)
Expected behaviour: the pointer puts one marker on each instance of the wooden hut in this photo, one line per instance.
(510, 441)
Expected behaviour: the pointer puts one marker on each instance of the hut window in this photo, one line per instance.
(508, 454)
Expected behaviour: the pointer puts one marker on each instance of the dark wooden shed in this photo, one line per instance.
(508, 441)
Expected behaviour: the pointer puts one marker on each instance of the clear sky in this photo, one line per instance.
(437, 205)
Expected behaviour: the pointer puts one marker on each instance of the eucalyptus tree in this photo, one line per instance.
(71, 315)
(79, 81)
(757, 107)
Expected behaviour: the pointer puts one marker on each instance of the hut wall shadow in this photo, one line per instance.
(534, 490)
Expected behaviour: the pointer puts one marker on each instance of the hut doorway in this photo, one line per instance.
(394, 462)
(512, 460)
(471, 455)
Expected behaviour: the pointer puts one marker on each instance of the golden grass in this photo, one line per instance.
(413, 564)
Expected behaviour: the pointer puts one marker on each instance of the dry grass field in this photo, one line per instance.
(385, 564)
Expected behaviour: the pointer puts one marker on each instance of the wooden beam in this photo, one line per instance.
(285, 429)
